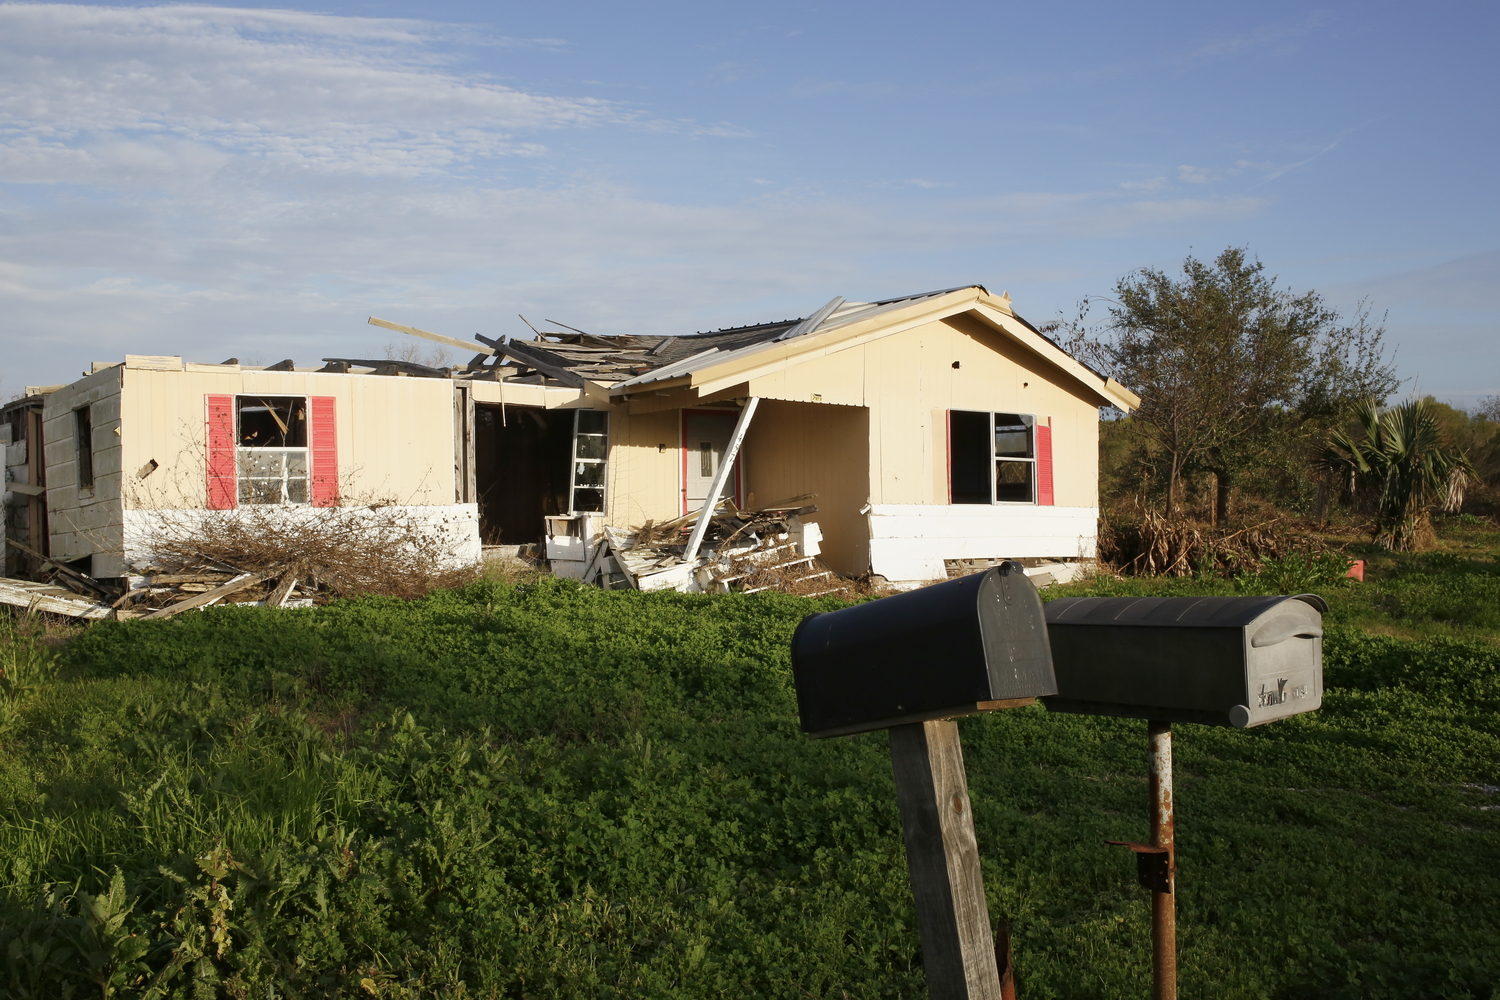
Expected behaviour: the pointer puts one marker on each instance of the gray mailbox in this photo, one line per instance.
(1227, 661)
(959, 647)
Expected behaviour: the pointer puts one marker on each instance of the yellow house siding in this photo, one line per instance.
(644, 479)
(909, 383)
(795, 448)
(395, 435)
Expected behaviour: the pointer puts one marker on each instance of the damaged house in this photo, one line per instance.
(909, 438)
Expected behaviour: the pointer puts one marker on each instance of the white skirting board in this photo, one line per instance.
(457, 524)
(908, 542)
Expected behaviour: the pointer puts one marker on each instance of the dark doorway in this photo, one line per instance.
(520, 470)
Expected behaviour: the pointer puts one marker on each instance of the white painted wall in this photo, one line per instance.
(908, 542)
(457, 524)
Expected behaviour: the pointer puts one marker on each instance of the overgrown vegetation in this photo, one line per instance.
(1262, 411)
(1230, 367)
(1400, 468)
(549, 790)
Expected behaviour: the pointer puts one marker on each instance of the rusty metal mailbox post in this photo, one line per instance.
(1222, 661)
(910, 664)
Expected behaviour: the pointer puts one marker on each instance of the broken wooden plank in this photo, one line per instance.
(35, 600)
(166, 579)
(283, 590)
(72, 576)
(234, 586)
(435, 337)
(782, 506)
(542, 361)
(47, 562)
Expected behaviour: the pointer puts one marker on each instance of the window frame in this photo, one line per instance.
(992, 470)
(83, 445)
(577, 460)
(242, 479)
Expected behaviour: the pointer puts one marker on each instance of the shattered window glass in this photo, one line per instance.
(272, 454)
(1015, 458)
(590, 454)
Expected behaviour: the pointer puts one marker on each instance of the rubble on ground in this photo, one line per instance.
(771, 547)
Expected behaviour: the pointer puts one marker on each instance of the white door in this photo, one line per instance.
(705, 439)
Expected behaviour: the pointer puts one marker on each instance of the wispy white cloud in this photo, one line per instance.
(88, 91)
(1277, 36)
(1150, 184)
(242, 178)
(1282, 171)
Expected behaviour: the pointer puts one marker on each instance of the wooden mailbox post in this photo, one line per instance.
(911, 664)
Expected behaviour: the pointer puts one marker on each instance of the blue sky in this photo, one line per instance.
(255, 181)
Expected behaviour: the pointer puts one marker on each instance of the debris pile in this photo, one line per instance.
(257, 555)
(770, 547)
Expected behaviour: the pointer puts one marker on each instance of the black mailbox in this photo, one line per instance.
(1226, 661)
(968, 645)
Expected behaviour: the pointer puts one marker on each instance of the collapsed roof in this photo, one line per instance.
(625, 364)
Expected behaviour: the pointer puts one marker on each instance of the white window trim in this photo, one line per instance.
(996, 458)
(573, 486)
(305, 450)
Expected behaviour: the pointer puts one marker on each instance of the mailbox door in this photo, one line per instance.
(1283, 665)
(1016, 644)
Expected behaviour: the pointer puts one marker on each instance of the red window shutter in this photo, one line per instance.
(325, 452)
(1044, 465)
(222, 492)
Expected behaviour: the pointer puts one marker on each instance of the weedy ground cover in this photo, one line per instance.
(546, 790)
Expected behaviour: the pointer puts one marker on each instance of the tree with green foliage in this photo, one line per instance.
(1476, 432)
(1402, 462)
(1226, 363)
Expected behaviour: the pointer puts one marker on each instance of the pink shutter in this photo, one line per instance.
(323, 439)
(222, 493)
(1044, 465)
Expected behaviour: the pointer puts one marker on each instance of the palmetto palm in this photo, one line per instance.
(1402, 464)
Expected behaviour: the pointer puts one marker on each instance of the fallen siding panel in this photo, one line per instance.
(21, 594)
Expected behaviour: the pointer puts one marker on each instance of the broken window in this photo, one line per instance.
(271, 432)
(83, 443)
(590, 455)
(992, 457)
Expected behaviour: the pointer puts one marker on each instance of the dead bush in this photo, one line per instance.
(1143, 542)
(378, 548)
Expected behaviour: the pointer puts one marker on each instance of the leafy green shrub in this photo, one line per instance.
(552, 790)
(1296, 573)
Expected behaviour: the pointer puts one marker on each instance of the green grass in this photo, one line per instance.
(549, 790)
